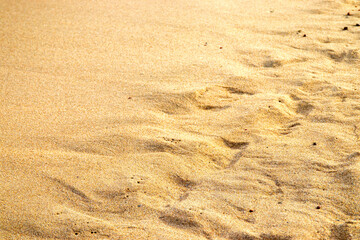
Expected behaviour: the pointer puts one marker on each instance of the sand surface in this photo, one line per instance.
(180, 119)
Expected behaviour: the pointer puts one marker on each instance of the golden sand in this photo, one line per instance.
(169, 119)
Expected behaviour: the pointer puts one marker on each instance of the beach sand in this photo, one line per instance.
(212, 119)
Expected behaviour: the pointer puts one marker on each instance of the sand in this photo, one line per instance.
(196, 119)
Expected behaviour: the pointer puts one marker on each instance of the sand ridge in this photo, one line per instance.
(180, 119)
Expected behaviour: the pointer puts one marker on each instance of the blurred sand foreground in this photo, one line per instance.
(180, 119)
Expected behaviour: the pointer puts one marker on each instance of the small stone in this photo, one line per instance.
(251, 210)
(345, 28)
(357, 25)
(221, 47)
(348, 14)
(304, 35)
(318, 207)
(314, 143)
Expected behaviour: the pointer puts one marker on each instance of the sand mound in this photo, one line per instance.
(180, 120)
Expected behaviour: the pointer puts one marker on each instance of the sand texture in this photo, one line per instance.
(180, 119)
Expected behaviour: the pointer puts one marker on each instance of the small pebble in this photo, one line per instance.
(304, 35)
(129, 97)
(220, 47)
(357, 25)
(348, 14)
(251, 210)
(318, 207)
(345, 28)
(314, 143)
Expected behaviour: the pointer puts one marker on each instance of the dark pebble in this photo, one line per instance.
(318, 207)
(220, 47)
(314, 143)
(345, 28)
(348, 14)
(357, 25)
(304, 35)
(251, 210)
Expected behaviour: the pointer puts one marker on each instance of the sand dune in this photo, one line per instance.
(194, 119)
